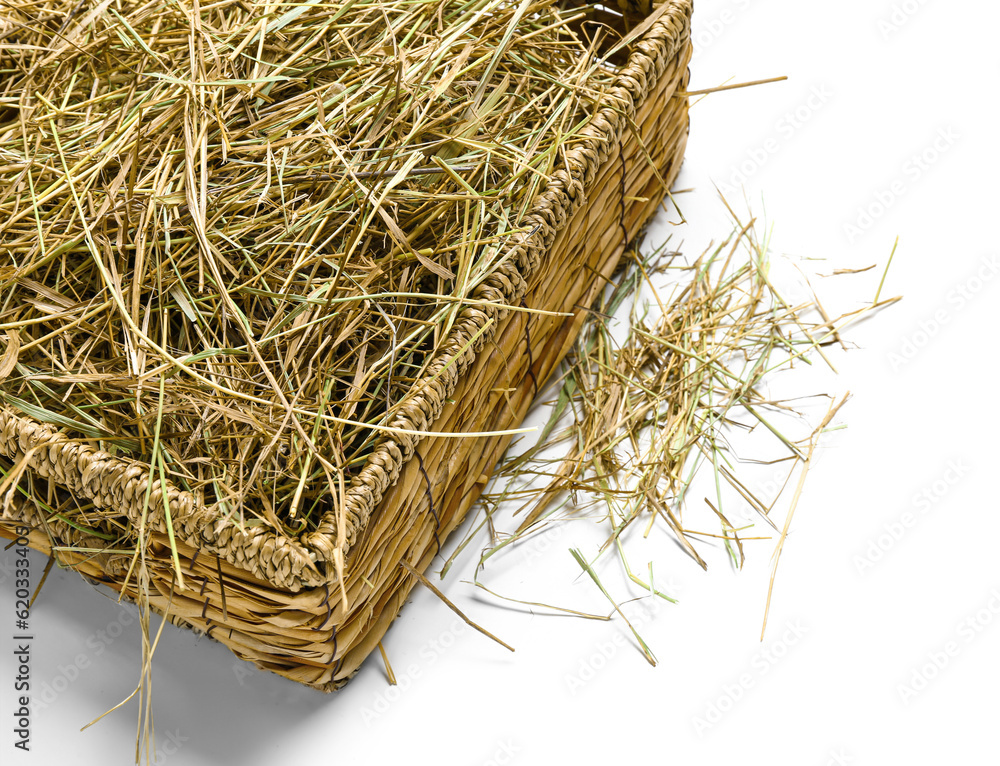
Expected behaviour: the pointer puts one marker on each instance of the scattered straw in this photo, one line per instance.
(436, 591)
(635, 419)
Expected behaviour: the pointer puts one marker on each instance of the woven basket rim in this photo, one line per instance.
(294, 563)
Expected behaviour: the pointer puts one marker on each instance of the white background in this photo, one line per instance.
(893, 76)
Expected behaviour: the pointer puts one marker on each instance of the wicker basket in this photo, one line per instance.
(277, 601)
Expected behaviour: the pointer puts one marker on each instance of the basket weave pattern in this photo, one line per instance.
(278, 601)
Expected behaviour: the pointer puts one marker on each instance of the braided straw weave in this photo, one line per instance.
(280, 602)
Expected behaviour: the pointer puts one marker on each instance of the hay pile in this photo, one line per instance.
(233, 236)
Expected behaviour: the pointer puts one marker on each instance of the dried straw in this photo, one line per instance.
(635, 419)
(235, 237)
